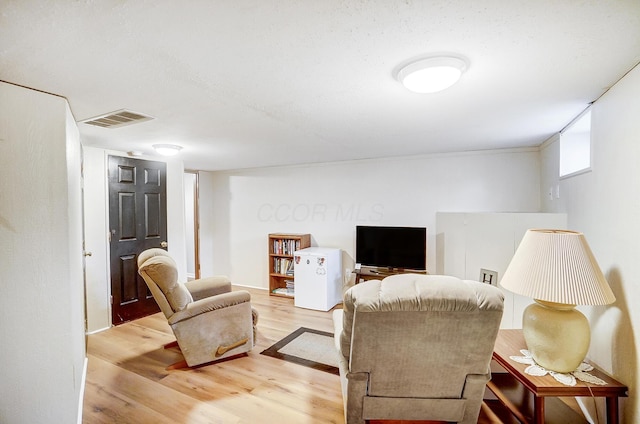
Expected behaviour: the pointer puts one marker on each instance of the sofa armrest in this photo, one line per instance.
(207, 287)
(338, 323)
(363, 291)
(209, 304)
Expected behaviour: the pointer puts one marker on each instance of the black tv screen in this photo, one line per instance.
(392, 247)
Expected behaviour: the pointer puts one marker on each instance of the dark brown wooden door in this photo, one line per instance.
(137, 221)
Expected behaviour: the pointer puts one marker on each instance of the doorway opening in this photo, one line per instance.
(192, 224)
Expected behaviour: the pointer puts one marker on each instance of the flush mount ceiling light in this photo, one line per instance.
(167, 149)
(432, 74)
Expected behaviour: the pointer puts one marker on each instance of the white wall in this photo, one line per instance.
(604, 205)
(96, 228)
(240, 208)
(469, 242)
(41, 307)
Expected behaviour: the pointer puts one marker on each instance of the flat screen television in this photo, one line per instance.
(392, 247)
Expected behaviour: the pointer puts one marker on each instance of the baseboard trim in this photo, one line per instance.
(83, 383)
(99, 330)
(250, 287)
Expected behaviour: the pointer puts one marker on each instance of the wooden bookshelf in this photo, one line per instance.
(281, 248)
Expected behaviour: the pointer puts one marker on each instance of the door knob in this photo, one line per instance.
(88, 253)
(164, 244)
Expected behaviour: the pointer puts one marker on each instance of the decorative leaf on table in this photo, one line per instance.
(588, 378)
(525, 359)
(536, 370)
(585, 367)
(566, 379)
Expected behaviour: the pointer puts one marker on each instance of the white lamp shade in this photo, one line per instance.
(557, 266)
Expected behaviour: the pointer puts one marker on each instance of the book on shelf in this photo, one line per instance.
(284, 291)
(283, 266)
(285, 246)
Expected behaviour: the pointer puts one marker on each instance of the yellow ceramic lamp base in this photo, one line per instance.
(557, 335)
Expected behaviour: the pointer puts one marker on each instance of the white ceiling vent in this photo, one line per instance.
(117, 119)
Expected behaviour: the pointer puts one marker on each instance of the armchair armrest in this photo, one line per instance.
(338, 326)
(211, 304)
(207, 287)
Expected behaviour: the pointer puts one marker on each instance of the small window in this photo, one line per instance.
(575, 146)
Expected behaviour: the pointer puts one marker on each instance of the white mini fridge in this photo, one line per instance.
(317, 278)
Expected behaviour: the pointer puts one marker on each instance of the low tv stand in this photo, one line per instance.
(372, 273)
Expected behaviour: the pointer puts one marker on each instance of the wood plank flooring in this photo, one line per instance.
(127, 381)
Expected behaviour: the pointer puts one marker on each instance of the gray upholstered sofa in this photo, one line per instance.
(416, 347)
(210, 321)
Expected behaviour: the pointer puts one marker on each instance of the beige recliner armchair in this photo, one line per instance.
(210, 321)
(416, 347)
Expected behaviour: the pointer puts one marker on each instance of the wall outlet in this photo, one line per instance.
(488, 276)
(347, 276)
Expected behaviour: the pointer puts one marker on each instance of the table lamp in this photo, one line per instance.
(558, 270)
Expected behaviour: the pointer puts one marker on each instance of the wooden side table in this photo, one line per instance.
(509, 343)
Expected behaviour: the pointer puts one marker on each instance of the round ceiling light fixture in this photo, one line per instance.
(167, 149)
(432, 74)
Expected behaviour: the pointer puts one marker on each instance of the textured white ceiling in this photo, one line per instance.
(260, 83)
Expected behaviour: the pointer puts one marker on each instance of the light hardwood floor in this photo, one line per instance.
(127, 381)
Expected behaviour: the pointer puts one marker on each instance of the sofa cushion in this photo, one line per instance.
(163, 271)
